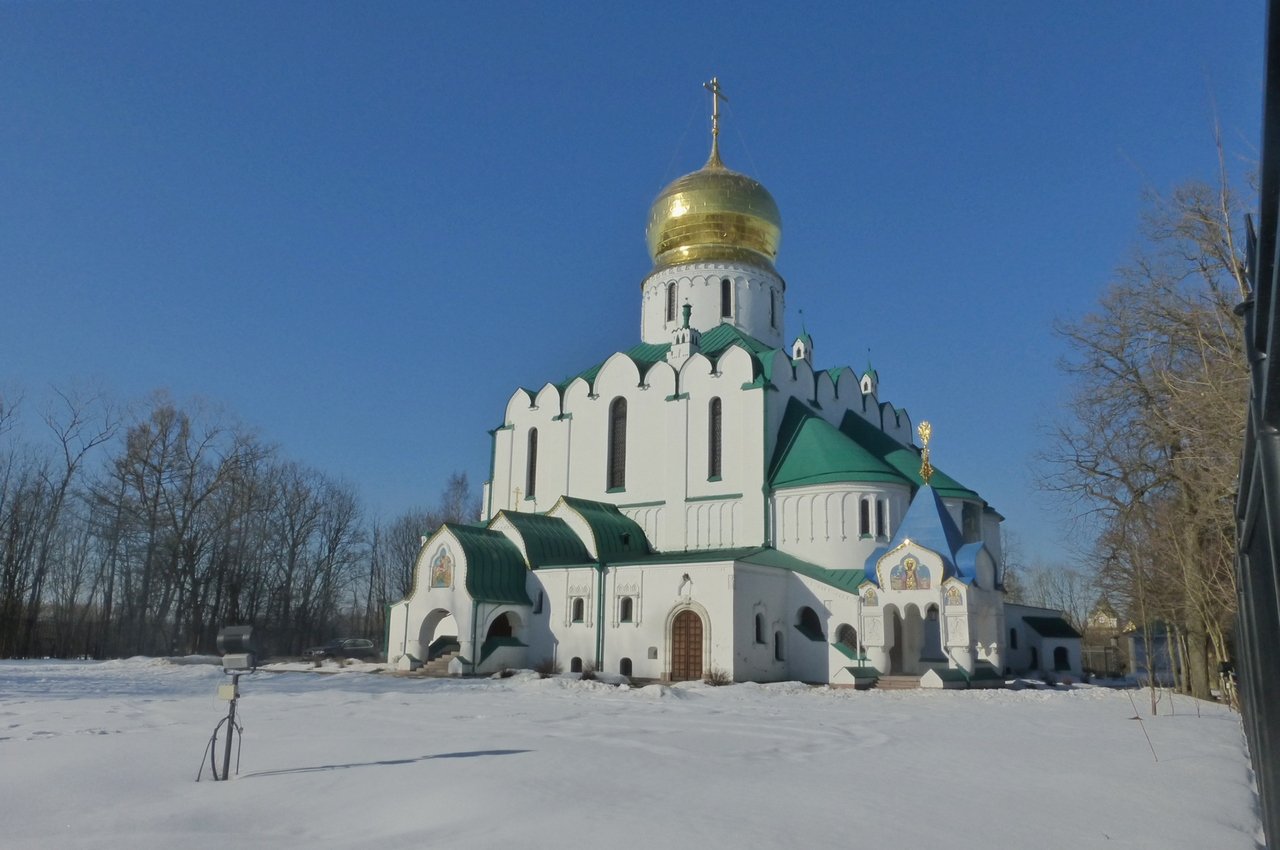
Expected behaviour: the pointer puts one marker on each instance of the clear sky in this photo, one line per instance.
(360, 226)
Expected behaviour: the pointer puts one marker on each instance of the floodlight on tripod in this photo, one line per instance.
(239, 656)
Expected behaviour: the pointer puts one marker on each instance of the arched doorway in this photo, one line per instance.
(686, 646)
(503, 626)
(438, 634)
(893, 626)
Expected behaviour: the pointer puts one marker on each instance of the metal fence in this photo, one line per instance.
(1258, 506)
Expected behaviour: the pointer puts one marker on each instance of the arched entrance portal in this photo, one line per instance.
(438, 635)
(686, 646)
(908, 635)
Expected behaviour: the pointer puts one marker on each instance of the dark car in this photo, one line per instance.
(344, 648)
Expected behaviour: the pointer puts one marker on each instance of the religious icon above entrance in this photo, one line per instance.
(442, 568)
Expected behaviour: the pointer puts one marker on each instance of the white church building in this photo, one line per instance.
(711, 502)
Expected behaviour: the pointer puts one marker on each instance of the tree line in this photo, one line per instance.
(1149, 448)
(142, 533)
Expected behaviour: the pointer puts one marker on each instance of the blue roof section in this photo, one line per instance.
(967, 561)
(926, 524)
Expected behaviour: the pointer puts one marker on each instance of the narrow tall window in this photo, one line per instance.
(864, 517)
(579, 609)
(531, 467)
(626, 610)
(880, 517)
(714, 430)
(726, 298)
(671, 302)
(617, 476)
(773, 309)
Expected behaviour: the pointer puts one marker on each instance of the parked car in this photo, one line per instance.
(344, 648)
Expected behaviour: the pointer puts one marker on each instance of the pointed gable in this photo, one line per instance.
(548, 541)
(495, 570)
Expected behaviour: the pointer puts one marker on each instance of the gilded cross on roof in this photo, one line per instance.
(925, 430)
(716, 96)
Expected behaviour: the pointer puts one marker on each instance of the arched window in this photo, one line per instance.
(881, 525)
(617, 477)
(808, 624)
(726, 298)
(579, 609)
(671, 302)
(1013, 638)
(847, 636)
(714, 430)
(624, 666)
(864, 517)
(626, 611)
(760, 628)
(575, 665)
(531, 465)
(777, 647)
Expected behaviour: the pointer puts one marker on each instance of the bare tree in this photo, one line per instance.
(1157, 421)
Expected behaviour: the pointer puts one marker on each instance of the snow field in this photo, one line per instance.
(105, 755)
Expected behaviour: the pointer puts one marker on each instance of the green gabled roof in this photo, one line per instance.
(904, 459)
(548, 541)
(1051, 627)
(495, 569)
(617, 535)
(810, 450)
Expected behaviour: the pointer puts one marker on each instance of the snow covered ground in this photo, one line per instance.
(105, 755)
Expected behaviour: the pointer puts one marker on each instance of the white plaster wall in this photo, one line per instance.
(759, 591)
(698, 284)
(821, 523)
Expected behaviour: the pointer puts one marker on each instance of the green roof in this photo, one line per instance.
(812, 451)
(904, 459)
(1051, 627)
(764, 556)
(616, 535)
(847, 580)
(495, 569)
(548, 541)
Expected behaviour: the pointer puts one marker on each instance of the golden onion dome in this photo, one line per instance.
(714, 214)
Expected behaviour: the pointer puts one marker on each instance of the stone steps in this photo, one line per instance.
(898, 683)
(438, 666)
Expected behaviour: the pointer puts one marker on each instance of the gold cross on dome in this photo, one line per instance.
(716, 96)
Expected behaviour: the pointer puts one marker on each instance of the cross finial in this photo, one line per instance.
(925, 430)
(716, 96)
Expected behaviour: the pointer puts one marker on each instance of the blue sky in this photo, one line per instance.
(361, 226)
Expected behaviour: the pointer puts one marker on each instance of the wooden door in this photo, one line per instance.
(686, 647)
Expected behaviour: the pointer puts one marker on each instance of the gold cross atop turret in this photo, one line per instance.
(716, 96)
(925, 430)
